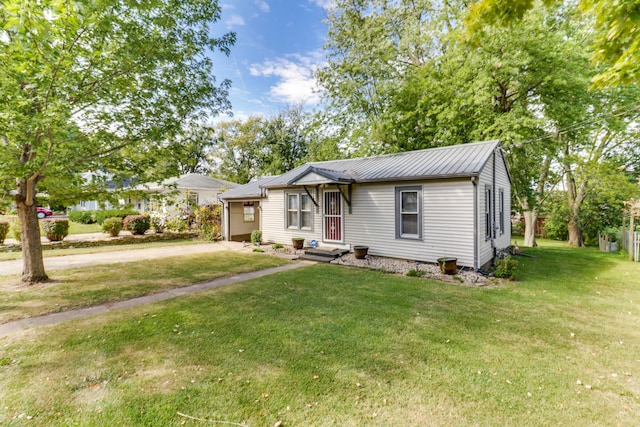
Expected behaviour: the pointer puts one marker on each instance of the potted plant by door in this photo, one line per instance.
(297, 242)
(360, 252)
(448, 265)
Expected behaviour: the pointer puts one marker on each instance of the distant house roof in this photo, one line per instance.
(464, 160)
(251, 190)
(194, 181)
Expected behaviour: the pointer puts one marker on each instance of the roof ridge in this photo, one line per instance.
(401, 153)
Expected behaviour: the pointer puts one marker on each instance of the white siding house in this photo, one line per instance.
(195, 189)
(422, 205)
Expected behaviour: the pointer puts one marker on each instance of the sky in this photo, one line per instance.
(278, 47)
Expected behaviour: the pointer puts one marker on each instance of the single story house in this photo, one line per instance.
(452, 201)
(194, 188)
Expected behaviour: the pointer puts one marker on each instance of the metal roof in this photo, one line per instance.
(194, 182)
(464, 160)
(250, 190)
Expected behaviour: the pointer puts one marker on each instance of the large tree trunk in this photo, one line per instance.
(32, 262)
(530, 225)
(575, 234)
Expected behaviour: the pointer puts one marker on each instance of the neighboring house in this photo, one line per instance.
(192, 188)
(422, 205)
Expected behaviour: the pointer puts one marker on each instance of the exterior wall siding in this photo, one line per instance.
(273, 220)
(502, 239)
(447, 216)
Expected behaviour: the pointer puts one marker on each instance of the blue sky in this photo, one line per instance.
(278, 47)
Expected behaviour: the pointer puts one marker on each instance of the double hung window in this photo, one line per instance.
(409, 212)
(299, 211)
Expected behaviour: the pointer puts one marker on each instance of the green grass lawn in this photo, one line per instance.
(87, 286)
(333, 346)
(79, 228)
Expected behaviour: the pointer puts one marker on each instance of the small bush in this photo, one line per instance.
(158, 221)
(55, 229)
(506, 268)
(207, 221)
(256, 237)
(258, 250)
(277, 246)
(112, 226)
(415, 273)
(15, 230)
(4, 230)
(101, 215)
(137, 224)
(82, 217)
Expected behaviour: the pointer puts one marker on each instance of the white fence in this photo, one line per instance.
(635, 247)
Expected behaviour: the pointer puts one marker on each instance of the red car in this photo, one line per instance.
(44, 212)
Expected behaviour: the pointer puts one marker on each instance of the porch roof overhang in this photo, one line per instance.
(313, 175)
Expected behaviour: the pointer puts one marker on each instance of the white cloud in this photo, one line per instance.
(296, 83)
(325, 4)
(235, 21)
(262, 5)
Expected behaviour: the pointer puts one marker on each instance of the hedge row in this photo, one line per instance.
(91, 217)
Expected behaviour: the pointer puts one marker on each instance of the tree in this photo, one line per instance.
(189, 151)
(372, 47)
(615, 45)
(608, 146)
(97, 86)
(238, 150)
(285, 141)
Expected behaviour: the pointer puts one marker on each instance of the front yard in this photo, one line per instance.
(329, 345)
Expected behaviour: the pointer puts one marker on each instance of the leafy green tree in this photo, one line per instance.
(285, 140)
(615, 41)
(238, 150)
(189, 151)
(97, 86)
(372, 46)
(601, 155)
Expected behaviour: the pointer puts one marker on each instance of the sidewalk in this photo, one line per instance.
(55, 318)
(129, 255)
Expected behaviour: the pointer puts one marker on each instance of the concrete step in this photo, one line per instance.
(317, 258)
(332, 254)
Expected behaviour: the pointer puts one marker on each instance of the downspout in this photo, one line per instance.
(493, 210)
(474, 181)
(227, 220)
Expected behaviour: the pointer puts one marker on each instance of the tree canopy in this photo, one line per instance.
(97, 86)
(615, 36)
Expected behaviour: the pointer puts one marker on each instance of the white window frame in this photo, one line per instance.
(298, 211)
(248, 210)
(488, 205)
(400, 234)
(501, 210)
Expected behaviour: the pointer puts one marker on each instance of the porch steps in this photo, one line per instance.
(322, 255)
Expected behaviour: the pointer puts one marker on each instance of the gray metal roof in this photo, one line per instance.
(194, 182)
(464, 160)
(250, 190)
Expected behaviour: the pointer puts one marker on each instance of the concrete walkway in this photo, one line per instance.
(55, 318)
(129, 255)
